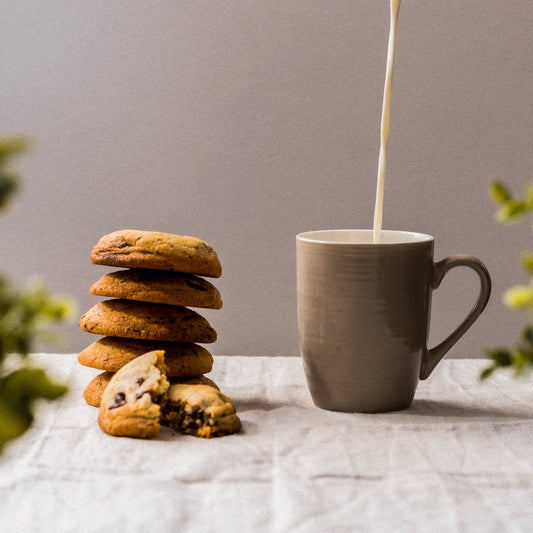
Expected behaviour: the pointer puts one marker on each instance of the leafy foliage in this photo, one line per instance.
(25, 316)
(519, 358)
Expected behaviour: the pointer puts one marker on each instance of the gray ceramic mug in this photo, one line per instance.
(364, 314)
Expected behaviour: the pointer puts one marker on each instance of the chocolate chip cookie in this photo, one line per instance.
(199, 410)
(148, 321)
(157, 286)
(156, 250)
(94, 391)
(129, 406)
(194, 380)
(181, 358)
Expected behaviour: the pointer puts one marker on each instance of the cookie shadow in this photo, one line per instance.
(257, 405)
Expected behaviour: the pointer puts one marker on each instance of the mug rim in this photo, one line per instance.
(412, 237)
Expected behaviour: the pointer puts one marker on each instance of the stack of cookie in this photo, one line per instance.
(161, 276)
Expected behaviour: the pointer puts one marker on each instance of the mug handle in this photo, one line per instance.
(430, 358)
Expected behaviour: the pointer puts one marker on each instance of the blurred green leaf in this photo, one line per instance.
(487, 372)
(520, 357)
(8, 187)
(527, 337)
(512, 211)
(19, 388)
(9, 180)
(11, 146)
(25, 316)
(522, 361)
(11, 425)
(519, 297)
(499, 192)
(529, 197)
(501, 356)
(19, 391)
(527, 262)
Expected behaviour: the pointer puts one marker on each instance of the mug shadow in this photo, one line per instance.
(457, 410)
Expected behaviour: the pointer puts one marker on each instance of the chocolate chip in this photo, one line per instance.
(190, 424)
(192, 412)
(119, 400)
(140, 381)
(193, 418)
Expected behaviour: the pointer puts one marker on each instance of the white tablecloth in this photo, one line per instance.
(461, 459)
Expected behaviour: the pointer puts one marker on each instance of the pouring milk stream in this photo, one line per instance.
(385, 119)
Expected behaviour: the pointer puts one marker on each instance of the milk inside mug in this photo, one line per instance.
(364, 315)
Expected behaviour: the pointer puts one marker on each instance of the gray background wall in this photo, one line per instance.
(246, 122)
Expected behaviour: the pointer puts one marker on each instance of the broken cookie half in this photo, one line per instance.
(139, 397)
(199, 410)
(130, 403)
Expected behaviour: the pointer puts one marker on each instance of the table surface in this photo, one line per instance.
(460, 459)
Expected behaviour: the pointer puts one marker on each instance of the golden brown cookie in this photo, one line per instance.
(194, 380)
(129, 406)
(199, 410)
(95, 389)
(181, 358)
(157, 286)
(139, 320)
(162, 251)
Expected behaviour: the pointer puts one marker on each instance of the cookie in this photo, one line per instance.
(129, 406)
(157, 286)
(156, 250)
(148, 321)
(181, 358)
(194, 380)
(199, 410)
(95, 389)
